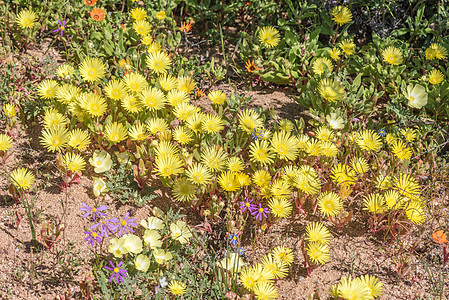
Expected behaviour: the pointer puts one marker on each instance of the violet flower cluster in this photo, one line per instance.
(259, 212)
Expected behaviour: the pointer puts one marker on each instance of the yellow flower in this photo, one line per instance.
(131, 104)
(317, 232)
(175, 97)
(135, 82)
(249, 120)
(269, 36)
(158, 62)
(142, 263)
(400, 150)
(65, 71)
(184, 190)
(101, 161)
(265, 290)
(214, 157)
(322, 65)
(10, 110)
(347, 46)
(393, 199)
(261, 178)
(318, 253)
(334, 53)
(212, 123)
(435, 76)
(343, 174)
(409, 134)
(278, 269)
(92, 69)
(177, 287)
(22, 178)
(53, 118)
(407, 185)
(115, 132)
(116, 247)
(369, 140)
(68, 93)
(156, 125)
(26, 19)
(152, 98)
(359, 164)
(182, 135)
(55, 138)
(374, 203)
(168, 165)
(235, 164)
(392, 55)
(98, 186)
(415, 212)
(142, 27)
(280, 207)
(152, 238)
(373, 284)
(199, 174)
(280, 189)
(248, 278)
(167, 82)
(353, 289)
(416, 96)
(307, 183)
(5, 143)
(436, 51)
(180, 232)
(115, 90)
(217, 97)
(47, 89)
(341, 15)
(138, 14)
(160, 15)
(162, 256)
(138, 132)
(186, 84)
(283, 255)
(154, 47)
(227, 181)
(284, 145)
(329, 204)
(94, 104)
(146, 40)
(331, 90)
(74, 162)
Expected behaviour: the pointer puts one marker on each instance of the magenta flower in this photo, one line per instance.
(247, 205)
(92, 236)
(95, 211)
(123, 226)
(61, 27)
(106, 226)
(261, 211)
(119, 274)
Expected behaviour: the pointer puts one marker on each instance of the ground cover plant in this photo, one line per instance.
(224, 150)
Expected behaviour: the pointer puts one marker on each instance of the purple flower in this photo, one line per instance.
(259, 212)
(61, 27)
(123, 226)
(247, 205)
(106, 226)
(92, 236)
(95, 211)
(233, 239)
(119, 274)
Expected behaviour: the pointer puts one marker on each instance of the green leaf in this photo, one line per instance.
(357, 81)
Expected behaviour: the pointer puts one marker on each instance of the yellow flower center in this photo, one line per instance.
(157, 65)
(55, 141)
(261, 210)
(94, 235)
(123, 223)
(116, 270)
(133, 85)
(62, 28)
(98, 163)
(91, 72)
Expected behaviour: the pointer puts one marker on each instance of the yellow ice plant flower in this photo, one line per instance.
(135, 82)
(341, 15)
(235, 164)
(10, 110)
(65, 71)
(249, 120)
(47, 89)
(406, 185)
(307, 183)
(154, 47)
(280, 189)
(214, 157)
(374, 203)
(269, 36)
(353, 289)
(369, 140)
(249, 278)
(5, 143)
(159, 62)
(152, 238)
(74, 162)
(138, 14)
(67, 93)
(138, 132)
(22, 178)
(373, 284)
(325, 134)
(115, 90)
(186, 84)
(92, 69)
(156, 125)
(166, 148)
(176, 97)
(414, 211)
(280, 208)
(416, 96)
(177, 288)
(285, 145)
(278, 269)
(265, 290)
(195, 122)
(343, 174)
(435, 76)
(54, 138)
(142, 27)
(53, 118)
(347, 46)
(217, 97)
(242, 179)
(283, 255)
(261, 178)
(334, 53)
(168, 165)
(199, 174)
(183, 190)
(180, 232)
(359, 164)
(436, 51)
(146, 40)
(409, 134)
(318, 253)
(392, 55)
(142, 263)
(101, 161)
(322, 65)
(115, 132)
(167, 82)
(317, 232)
(182, 135)
(260, 152)
(227, 181)
(152, 98)
(331, 90)
(98, 186)
(160, 15)
(131, 104)
(94, 104)
(26, 19)
(400, 150)
(285, 125)
(212, 123)
(383, 182)
(393, 199)
(330, 204)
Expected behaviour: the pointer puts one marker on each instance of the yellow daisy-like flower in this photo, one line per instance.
(415, 212)
(373, 284)
(177, 288)
(55, 138)
(214, 157)
(369, 140)
(341, 15)
(175, 97)
(235, 164)
(195, 122)
(146, 40)
(307, 183)
(135, 82)
(261, 178)
(318, 253)
(269, 36)
(115, 132)
(343, 174)
(436, 51)
(154, 47)
(156, 125)
(249, 120)
(393, 199)
(347, 46)
(212, 123)
(353, 289)
(330, 204)
(26, 19)
(265, 290)
(94, 104)
(400, 150)
(152, 98)
(242, 179)
(168, 165)
(260, 152)
(317, 232)
(374, 203)
(10, 110)
(166, 148)
(67, 93)
(334, 53)
(227, 181)
(199, 174)
(409, 134)
(182, 135)
(279, 270)
(406, 185)
(53, 118)
(280, 208)
(92, 69)
(331, 90)
(74, 162)
(328, 149)
(5, 143)
(65, 71)
(436, 76)
(280, 189)
(168, 82)
(47, 89)
(79, 139)
(115, 90)
(359, 164)
(158, 62)
(285, 125)
(217, 97)
(185, 110)
(160, 15)
(322, 65)
(285, 145)
(138, 14)
(138, 132)
(131, 104)
(249, 278)
(325, 134)
(22, 178)
(392, 55)
(183, 190)
(186, 84)
(283, 255)
(142, 27)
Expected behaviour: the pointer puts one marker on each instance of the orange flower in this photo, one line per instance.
(251, 66)
(439, 237)
(90, 2)
(199, 93)
(97, 14)
(186, 27)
